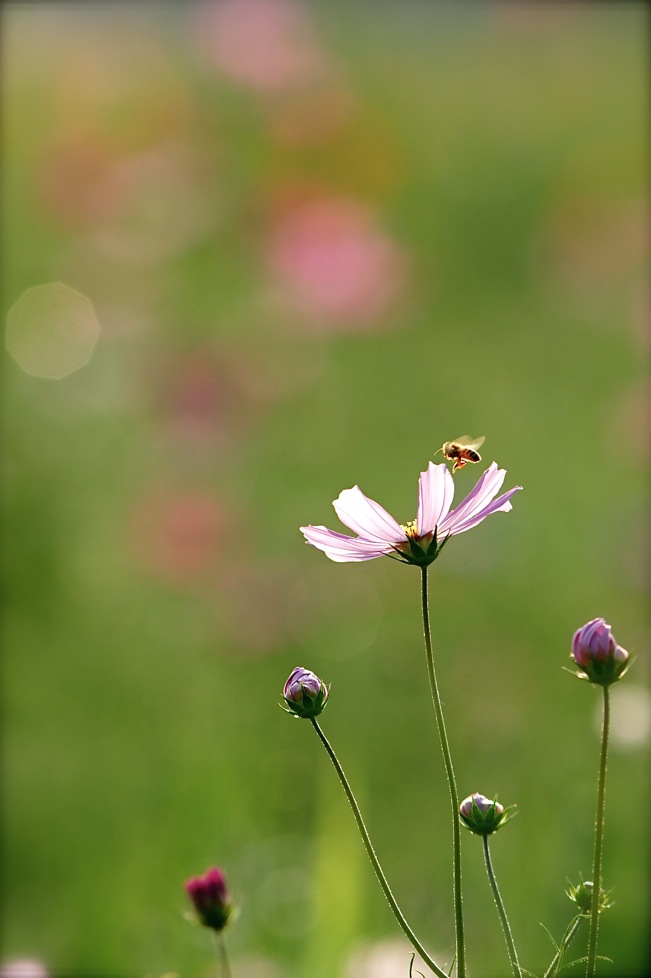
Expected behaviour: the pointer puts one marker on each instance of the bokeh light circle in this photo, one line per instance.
(51, 330)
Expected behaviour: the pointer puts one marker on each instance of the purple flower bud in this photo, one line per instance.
(305, 694)
(484, 815)
(211, 898)
(483, 804)
(597, 654)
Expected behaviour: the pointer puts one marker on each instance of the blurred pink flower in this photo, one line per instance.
(141, 208)
(312, 116)
(335, 261)
(177, 534)
(592, 243)
(203, 401)
(253, 584)
(379, 533)
(266, 45)
(164, 206)
(208, 397)
(23, 968)
(77, 180)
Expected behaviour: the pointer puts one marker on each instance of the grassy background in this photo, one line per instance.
(157, 589)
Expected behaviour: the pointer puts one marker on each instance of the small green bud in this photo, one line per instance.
(582, 896)
(483, 815)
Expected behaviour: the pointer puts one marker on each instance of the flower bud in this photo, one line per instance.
(597, 654)
(211, 899)
(582, 896)
(305, 694)
(483, 815)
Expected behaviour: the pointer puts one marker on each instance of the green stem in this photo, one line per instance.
(409, 934)
(568, 937)
(504, 920)
(598, 841)
(454, 797)
(221, 953)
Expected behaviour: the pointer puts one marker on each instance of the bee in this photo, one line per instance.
(462, 450)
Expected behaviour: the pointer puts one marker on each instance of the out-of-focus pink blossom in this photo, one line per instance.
(312, 116)
(177, 535)
(249, 584)
(77, 181)
(140, 206)
(208, 397)
(23, 968)
(592, 244)
(335, 262)
(164, 206)
(533, 18)
(267, 45)
(202, 401)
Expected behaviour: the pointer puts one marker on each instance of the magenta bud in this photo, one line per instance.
(305, 694)
(597, 654)
(211, 898)
(484, 815)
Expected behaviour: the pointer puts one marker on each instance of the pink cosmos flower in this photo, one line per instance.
(421, 540)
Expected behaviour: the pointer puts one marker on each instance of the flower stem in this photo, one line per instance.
(411, 937)
(568, 937)
(598, 840)
(221, 953)
(449, 770)
(504, 920)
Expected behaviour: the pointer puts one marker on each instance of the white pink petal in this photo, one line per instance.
(453, 525)
(435, 493)
(366, 517)
(341, 548)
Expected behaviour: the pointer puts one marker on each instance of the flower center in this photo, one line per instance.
(411, 529)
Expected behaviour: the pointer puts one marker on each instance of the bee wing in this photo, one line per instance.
(467, 442)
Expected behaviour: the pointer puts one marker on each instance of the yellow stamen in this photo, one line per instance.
(411, 529)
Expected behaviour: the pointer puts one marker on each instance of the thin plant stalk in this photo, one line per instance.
(221, 954)
(504, 920)
(598, 840)
(567, 939)
(449, 770)
(409, 934)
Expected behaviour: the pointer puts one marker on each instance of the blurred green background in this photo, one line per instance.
(299, 246)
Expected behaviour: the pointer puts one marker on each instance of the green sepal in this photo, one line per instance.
(485, 823)
(417, 551)
(417, 554)
(602, 673)
(308, 708)
(581, 895)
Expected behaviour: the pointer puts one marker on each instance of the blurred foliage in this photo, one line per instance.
(319, 241)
